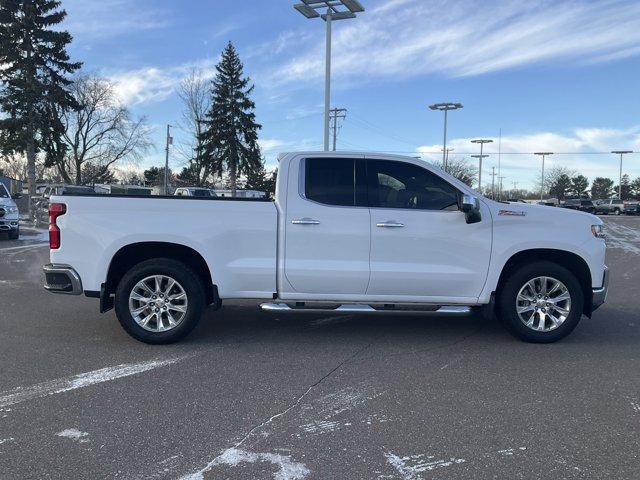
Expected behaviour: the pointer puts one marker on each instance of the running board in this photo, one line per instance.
(449, 310)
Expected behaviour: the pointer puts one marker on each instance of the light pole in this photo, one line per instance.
(621, 153)
(446, 158)
(335, 10)
(445, 107)
(481, 141)
(543, 155)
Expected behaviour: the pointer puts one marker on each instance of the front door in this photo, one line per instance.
(421, 246)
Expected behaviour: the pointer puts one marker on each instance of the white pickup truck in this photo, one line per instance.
(348, 232)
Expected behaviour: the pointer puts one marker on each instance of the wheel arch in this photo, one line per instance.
(571, 261)
(135, 253)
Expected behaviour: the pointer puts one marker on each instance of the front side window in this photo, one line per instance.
(395, 184)
(330, 181)
(3, 191)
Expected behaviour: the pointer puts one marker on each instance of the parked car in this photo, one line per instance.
(367, 232)
(516, 200)
(40, 205)
(547, 204)
(612, 206)
(632, 208)
(584, 205)
(9, 216)
(194, 192)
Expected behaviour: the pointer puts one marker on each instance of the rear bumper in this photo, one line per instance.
(600, 294)
(61, 279)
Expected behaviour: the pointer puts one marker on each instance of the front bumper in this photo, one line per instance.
(60, 278)
(7, 224)
(600, 294)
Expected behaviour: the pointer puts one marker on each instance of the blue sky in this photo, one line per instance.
(560, 76)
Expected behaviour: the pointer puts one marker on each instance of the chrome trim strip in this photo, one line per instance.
(600, 294)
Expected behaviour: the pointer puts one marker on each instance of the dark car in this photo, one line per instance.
(584, 205)
(632, 208)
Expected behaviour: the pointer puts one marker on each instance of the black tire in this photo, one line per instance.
(14, 234)
(506, 301)
(189, 281)
(616, 211)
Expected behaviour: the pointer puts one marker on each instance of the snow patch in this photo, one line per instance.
(635, 406)
(412, 466)
(74, 434)
(22, 394)
(318, 428)
(232, 457)
(6, 440)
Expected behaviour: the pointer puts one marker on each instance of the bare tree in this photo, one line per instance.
(15, 166)
(99, 133)
(552, 177)
(460, 168)
(194, 93)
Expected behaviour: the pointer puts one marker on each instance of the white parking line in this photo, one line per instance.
(22, 394)
(24, 247)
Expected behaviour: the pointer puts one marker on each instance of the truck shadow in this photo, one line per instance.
(245, 323)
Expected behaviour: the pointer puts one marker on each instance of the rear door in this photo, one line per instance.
(327, 228)
(421, 246)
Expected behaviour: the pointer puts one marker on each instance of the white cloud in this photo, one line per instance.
(97, 20)
(404, 38)
(520, 165)
(268, 145)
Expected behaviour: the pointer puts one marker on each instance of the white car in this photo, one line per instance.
(352, 232)
(193, 192)
(9, 216)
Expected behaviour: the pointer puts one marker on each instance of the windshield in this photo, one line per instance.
(3, 192)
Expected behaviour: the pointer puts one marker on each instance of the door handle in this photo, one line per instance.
(305, 221)
(390, 225)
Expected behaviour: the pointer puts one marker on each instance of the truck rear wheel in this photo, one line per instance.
(541, 302)
(159, 301)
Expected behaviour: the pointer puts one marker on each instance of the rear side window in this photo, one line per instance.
(330, 181)
(395, 184)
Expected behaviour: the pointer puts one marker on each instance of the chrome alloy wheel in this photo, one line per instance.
(543, 304)
(158, 303)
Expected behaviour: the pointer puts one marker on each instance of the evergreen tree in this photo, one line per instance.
(579, 185)
(601, 188)
(34, 79)
(560, 187)
(635, 188)
(230, 135)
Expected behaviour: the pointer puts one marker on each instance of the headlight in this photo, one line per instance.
(598, 231)
(9, 208)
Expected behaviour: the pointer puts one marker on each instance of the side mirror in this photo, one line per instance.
(470, 206)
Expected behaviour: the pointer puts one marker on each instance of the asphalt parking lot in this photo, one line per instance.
(257, 395)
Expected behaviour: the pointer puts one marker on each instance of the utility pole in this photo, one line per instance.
(166, 160)
(500, 179)
(493, 183)
(335, 10)
(445, 107)
(335, 114)
(481, 141)
(621, 153)
(543, 155)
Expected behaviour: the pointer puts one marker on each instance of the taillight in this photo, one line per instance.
(55, 210)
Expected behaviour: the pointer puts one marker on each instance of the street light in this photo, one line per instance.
(621, 153)
(481, 141)
(335, 10)
(445, 107)
(543, 155)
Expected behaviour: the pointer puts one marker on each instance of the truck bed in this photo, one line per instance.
(237, 238)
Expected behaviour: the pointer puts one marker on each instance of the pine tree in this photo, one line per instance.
(34, 78)
(230, 136)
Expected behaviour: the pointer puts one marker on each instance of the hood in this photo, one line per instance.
(543, 213)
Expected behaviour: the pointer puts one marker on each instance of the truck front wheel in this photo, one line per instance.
(159, 301)
(541, 302)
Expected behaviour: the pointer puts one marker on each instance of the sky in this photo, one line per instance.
(550, 75)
